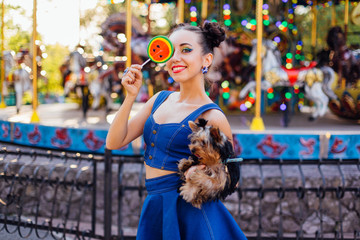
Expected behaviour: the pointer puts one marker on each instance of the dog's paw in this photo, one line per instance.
(185, 164)
(188, 192)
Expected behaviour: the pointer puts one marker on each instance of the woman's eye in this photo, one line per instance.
(187, 50)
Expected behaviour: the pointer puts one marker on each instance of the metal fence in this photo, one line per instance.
(61, 194)
(45, 193)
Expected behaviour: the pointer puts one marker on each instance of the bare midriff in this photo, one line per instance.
(155, 172)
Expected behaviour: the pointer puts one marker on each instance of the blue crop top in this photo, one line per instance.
(168, 143)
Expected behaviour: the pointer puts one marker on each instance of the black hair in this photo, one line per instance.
(211, 34)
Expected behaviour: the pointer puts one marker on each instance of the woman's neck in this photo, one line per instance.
(192, 92)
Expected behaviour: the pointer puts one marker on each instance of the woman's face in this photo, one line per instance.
(188, 59)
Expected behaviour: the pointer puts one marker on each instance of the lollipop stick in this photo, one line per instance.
(142, 65)
(150, 58)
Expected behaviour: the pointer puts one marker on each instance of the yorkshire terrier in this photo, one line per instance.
(219, 178)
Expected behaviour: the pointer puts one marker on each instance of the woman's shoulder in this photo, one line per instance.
(217, 118)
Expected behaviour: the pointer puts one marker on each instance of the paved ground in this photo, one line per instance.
(15, 236)
(69, 115)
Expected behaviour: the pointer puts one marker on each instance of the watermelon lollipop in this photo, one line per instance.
(159, 50)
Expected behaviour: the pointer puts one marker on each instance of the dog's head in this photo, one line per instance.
(208, 143)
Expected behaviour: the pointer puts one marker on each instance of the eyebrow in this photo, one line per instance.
(185, 44)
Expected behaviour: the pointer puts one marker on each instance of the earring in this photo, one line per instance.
(205, 69)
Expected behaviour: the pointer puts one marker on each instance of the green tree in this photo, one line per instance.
(15, 36)
(56, 56)
(21, 39)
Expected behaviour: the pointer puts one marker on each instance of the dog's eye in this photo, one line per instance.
(203, 142)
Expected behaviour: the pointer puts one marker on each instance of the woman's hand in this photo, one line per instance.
(132, 80)
(192, 169)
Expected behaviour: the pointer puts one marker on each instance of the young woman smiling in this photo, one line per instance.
(163, 122)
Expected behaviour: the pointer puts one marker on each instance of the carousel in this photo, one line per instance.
(270, 74)
(287, 77)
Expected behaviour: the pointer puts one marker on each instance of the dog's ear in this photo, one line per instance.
(202, 122)
(215, 134)
(194, 127)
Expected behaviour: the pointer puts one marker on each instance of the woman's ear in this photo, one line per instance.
(208, 59)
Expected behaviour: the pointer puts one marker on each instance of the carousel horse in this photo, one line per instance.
(9, 64)
(19, 77)
(316, 81)
(76, 74)
(346, 63)
(75, 78)
(104, 82)
(340, 58)
(22, 83)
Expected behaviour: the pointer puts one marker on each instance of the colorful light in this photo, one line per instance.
(288, 95)
(226, 95)
(225, 84)
(283, 107)
(248, 104)
(193, 16)
(243, 107)
(298, 52)
(266, 18)
(226, 6)
(227, 12)
(227, 90)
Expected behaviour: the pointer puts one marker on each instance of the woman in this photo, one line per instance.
(163, 121)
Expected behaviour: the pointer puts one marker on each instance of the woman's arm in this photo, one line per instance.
(217, 119)
(122, 130)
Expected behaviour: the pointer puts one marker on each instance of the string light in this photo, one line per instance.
(226, 90)
(283, 107)
(193, 16)
(298, 55)
(270, 93)
(296, 89)
(266, 19)
(227, 17)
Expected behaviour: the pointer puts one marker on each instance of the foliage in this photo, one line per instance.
(21, 39)
(56, 56)
(15, 36)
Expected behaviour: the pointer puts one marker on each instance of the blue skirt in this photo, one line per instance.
(166, 216)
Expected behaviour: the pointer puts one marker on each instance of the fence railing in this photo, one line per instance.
(57, 194)
(45, 193)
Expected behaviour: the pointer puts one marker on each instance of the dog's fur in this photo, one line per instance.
(210, 147)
